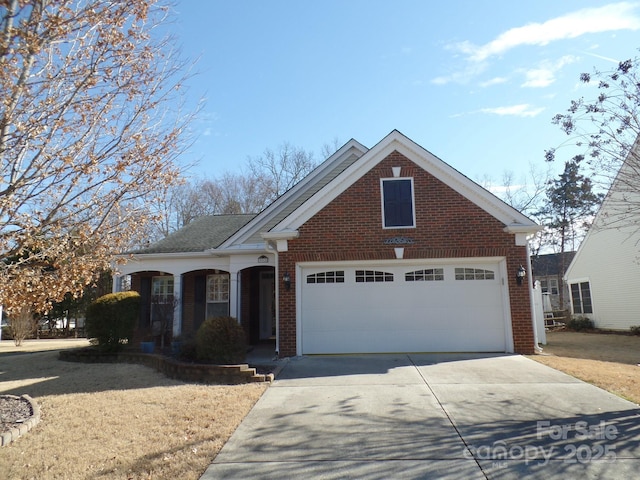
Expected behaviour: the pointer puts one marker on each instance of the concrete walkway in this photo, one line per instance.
(431, 416)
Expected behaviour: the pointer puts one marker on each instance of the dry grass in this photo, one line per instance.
(105, 421)
(609, 361)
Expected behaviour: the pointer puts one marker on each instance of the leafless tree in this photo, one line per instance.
(263, 180)
(280, 170)
(603, 134)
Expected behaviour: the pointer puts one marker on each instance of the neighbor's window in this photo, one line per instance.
(581, 297)
(397, 203)
(553, 286)
(217, 295)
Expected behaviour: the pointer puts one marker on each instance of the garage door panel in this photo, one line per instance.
(412, 313)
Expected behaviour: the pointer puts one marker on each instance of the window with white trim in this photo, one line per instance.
(549, 286)
(581, 297)
(369, 276)
(426, 275)
(397, 203)
(162, 289)
(326, 277)
(162, 303)
(474, 274)
(217, 295)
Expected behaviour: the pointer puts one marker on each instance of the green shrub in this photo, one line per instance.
(187, 351)
(111, 319)
(635, 329)
(221, 340)
(579, 324)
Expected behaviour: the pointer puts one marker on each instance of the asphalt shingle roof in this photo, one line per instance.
(201, 234)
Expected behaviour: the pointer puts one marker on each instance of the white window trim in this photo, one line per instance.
(413, 201)
(166, 280)
(210, 277)
(578, 281)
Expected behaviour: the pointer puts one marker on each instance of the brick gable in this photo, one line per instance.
(448, 225)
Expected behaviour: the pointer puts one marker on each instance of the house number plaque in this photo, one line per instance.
(398, 241)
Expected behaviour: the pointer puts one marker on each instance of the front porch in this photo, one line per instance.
(247, 294)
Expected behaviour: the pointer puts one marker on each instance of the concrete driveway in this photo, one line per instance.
(431, 416)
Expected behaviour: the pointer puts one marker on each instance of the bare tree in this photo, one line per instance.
(281, 170)
(329, 148)
(87, 138)
(21, 324)
(263, 180)
(603, 134)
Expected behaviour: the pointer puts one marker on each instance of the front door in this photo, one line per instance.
(267, 292)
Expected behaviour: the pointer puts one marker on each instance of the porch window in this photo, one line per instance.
(217, 295)
(397, 203)
(162, 288)
(581, 298)
(161, 303)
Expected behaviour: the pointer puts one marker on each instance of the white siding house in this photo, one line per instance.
(604, 276)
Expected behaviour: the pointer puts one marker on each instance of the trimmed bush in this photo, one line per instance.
(111, 319)
(221, 340)
(579, 324)
(187, 351)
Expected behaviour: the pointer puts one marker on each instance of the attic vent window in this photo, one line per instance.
(397, 203)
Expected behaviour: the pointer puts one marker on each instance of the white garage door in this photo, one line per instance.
(398, 307)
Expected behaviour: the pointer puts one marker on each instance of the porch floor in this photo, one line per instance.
(263, 353)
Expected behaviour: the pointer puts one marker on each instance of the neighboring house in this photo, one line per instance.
(604, 276)
(387, 249)
(548, 270)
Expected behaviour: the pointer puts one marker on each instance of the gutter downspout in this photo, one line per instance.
(537, 348)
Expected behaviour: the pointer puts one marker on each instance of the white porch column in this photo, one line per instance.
(115, 283)
(177, 311)
(234, 294)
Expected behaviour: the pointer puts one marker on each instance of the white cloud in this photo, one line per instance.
(494, 81)
(545, 74)
(463, 76)
(612, 17)
(521, 110)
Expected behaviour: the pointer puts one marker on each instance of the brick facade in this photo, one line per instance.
(448, 225)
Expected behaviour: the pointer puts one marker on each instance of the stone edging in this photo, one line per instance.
(13, 433)
(187, 372)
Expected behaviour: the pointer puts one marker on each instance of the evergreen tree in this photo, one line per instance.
(572, 203)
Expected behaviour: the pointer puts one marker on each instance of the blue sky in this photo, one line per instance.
(475, 83)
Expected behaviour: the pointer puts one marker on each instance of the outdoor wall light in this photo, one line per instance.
(286, 279)
(520, 274)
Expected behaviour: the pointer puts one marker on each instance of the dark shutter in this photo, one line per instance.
(398, 203)
(200, 301)
(145, 302)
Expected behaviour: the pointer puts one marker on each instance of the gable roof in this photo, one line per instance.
(549, 264)
(291, 200)
(618, 213)
(201, 234)
(513, 220)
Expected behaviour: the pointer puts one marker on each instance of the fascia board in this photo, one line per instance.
(155, 256)
(425, 159)
(256, 224)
